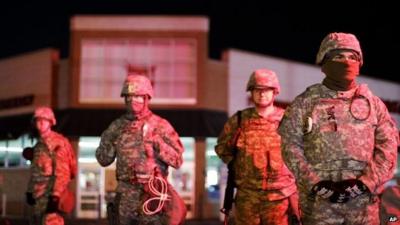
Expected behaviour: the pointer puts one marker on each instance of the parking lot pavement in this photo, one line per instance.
(22, 221)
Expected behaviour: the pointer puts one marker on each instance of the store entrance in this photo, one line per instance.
(90, 194)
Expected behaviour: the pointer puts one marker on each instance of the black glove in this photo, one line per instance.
(353, 187)
(27, 153)
(29, 198)
(327, 189)
(52, 204)
(324, 189)
(339, 195)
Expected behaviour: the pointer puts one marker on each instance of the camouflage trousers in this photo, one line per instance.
(130, 212)
(363, 210)
(252, 208)
(40, 217)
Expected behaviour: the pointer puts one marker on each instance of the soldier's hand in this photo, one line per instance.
(353, 187)
(324, 189)
(29, 198)
(339, 196)
(27, 153)
(52, 204)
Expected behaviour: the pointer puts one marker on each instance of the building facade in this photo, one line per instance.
(85, 90)
(196, 94)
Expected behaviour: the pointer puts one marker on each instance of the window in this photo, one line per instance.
(213, 170)
(87, 149)
(11, 152)
(182, 179)
(172, 62)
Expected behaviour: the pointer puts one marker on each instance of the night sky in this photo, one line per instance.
(282, 29)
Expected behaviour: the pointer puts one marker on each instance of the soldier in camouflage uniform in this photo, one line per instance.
(143, 144)
(339, 140)
(53, 166)
(263, 181)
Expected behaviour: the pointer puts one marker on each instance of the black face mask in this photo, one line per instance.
(340, 76)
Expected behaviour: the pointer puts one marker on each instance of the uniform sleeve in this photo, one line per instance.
(224, 143)
(72, 161)
(106, 152)
(381, 167)
(168, 145)
(291, 131)
(31, 182)
(63, 167)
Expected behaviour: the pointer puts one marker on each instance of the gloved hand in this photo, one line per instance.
(52, 204)
(29, 198)
(324, 189)
(353, 187)
(27, 153)
(339, 195)
(328, 189)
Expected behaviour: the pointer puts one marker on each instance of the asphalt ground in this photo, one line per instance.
(22, 221)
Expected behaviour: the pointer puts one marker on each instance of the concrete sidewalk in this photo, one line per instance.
(21, 221)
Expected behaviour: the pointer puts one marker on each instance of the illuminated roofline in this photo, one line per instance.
(140, 23)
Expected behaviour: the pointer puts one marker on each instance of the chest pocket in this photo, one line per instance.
(260, 141)
(130, 142)
(337, 132)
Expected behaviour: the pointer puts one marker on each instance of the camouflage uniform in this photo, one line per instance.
(130, 140)
(339, 135)
(41, 185)
(263, 181)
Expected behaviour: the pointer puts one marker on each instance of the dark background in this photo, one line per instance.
(291, 30)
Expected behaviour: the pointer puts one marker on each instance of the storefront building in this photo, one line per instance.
(194, 93)
(85, 93)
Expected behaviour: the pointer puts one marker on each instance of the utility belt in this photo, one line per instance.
(258, 185)
(139, 180)
(340, 164)
(142, 178)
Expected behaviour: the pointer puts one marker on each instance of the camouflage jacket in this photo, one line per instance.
(140, 146)
(258, 163)
(334, 135)
(56, 147)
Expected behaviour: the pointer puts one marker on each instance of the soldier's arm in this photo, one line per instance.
(380, 168)
(30, 187)
(72, 160)
(168, 145)
(225, 145)
(106, 152)
(291, 131)
(30, 184)
(31, 170)
(62, 169)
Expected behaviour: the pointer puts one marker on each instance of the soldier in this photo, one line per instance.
(145, 145)
(339, 140)
(53, 166)
(264, 183)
